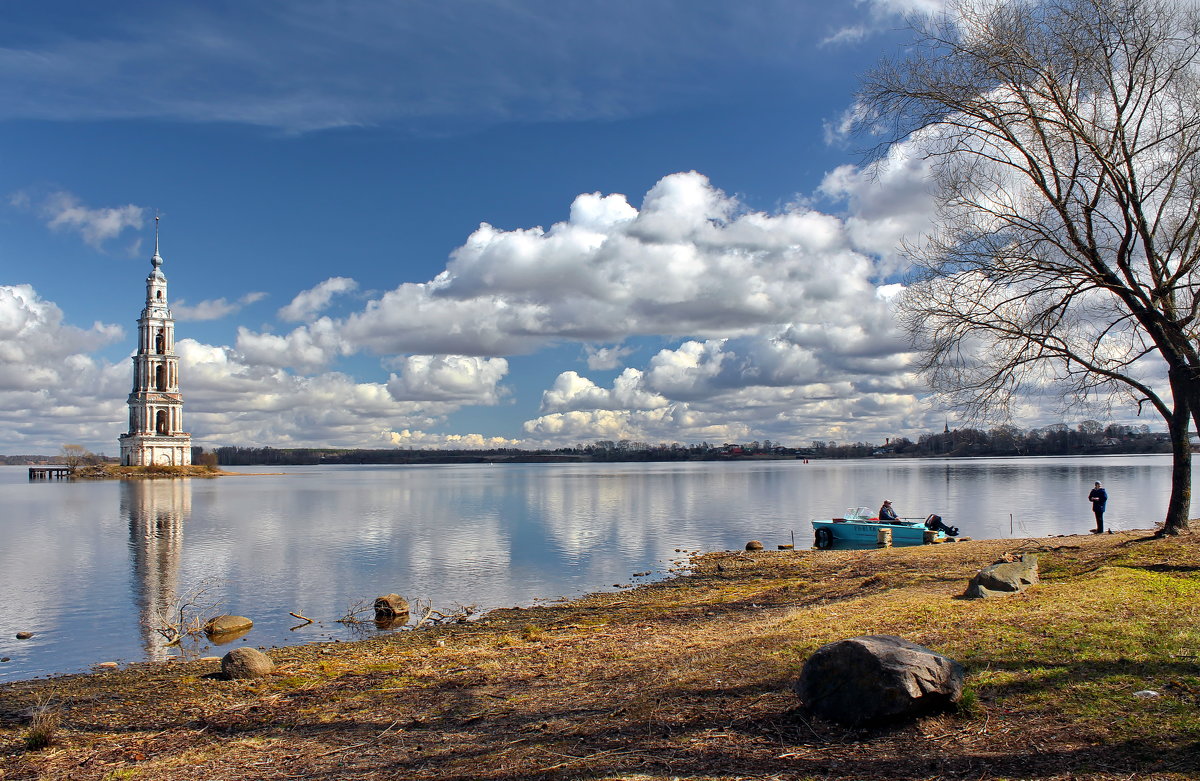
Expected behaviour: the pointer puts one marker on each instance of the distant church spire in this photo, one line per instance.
(156, 434)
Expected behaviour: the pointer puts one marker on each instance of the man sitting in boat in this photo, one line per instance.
(886, 513)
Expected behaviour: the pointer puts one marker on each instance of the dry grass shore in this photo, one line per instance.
(688, 678)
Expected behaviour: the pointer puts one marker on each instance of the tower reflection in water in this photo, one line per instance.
(156, 509)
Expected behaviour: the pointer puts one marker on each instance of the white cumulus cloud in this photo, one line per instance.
(889, 202)
(422, 440)
(307, 349)
(96, 225)
(52, 392)
(457, 378)
(309, 303)
(572, 392)
(213, 309)
(233, 400)
(605, 358)
(691, 262)
(766, 312)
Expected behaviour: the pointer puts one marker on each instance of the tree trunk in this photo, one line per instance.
(1180, 428)
(1181, 482)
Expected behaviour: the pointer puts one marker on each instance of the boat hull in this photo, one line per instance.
(868, 532)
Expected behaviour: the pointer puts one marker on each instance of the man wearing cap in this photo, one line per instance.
(886, 513)
(1098, 497)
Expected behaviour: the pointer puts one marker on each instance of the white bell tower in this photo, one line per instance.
(156, 434)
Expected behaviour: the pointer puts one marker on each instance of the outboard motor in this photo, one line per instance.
(934, 522)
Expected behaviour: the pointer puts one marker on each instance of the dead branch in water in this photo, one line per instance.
(187, 614)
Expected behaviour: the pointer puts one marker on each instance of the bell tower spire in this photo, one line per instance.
(156, 434)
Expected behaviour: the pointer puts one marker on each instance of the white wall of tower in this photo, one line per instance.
(156, 434)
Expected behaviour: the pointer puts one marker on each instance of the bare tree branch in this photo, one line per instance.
(1064, 141)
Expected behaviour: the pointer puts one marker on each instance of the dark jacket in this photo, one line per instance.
(1099, 498)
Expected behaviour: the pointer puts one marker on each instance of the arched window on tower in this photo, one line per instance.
(160, 378)
(161, 426)
(160, 343)
(158, 295)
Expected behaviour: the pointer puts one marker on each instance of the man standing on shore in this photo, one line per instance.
(1098, 497)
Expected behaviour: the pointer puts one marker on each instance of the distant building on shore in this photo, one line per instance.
(156, 434)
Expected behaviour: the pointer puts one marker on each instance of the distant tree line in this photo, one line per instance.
(605, 450)
(68, 455)
(1089, 437)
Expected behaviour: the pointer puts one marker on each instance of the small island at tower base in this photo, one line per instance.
(136, 471)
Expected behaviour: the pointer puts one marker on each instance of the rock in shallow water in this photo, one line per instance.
(390, 607)
(224, 625)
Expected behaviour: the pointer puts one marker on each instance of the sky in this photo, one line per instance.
(456, 223)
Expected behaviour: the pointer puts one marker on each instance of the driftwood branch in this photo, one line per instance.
(428, 613)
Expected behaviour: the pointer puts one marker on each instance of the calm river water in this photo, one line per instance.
(84, 564)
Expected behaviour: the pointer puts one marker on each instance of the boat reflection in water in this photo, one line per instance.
(156, 509)
(864, 545)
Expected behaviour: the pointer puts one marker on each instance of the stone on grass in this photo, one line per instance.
(754, 545)
(877, 678)
(246, 663)
(224, 625)
(1004, 578)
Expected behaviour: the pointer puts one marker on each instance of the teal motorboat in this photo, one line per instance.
(858, 526)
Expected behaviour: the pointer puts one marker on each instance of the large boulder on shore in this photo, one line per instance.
(1004, 578)
(246, 663)
(877, 678)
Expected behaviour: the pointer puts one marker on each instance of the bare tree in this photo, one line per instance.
(74, 456)
(1063, 137)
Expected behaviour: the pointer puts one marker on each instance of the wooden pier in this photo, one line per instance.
(47, 472)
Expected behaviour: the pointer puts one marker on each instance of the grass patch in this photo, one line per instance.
(531, 633)
(43, 726)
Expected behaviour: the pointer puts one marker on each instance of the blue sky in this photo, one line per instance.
(428, 223)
